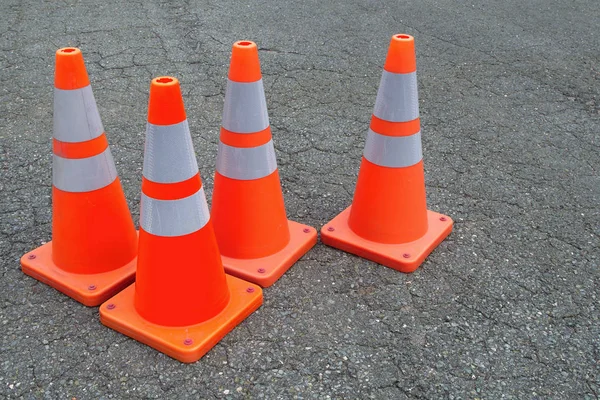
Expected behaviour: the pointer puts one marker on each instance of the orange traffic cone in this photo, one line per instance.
(257, 241)
(388, 221)
(182, 303)
(92, 253)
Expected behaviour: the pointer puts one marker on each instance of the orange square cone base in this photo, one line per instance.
(88, 289)
(184, 343)
(265, 271)
(404, 257)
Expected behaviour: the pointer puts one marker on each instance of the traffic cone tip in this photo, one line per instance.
(165, 81)
(165, 106)
(244, 65)
(70, 72)
(401, 55)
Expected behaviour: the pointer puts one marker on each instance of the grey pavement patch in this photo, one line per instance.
(506, 307)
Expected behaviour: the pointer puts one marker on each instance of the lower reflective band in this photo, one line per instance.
(174, 217)
(246, 163)
(393, 151)
(83, 174)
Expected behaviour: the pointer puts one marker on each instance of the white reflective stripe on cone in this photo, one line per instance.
(397, 97)
(393, 151)
(245, 109)
(169, 153)
(174, 217)
(83, 174)
(76, 117)
(246, 163)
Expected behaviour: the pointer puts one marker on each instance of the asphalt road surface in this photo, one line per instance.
(507, 307)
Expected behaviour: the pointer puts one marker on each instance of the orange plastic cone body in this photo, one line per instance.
(191, 290)
(388, 221)
(397, 214)
(250, 235)
(182, 303)
(94, 242)
(92, 233)
(257, 241)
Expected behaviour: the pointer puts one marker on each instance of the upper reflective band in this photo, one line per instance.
(76, 117)
(245, 109)
(397, 98)
(174, 217)
(169, 153)
(83, 174)
(393, 151)
(246, 163)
